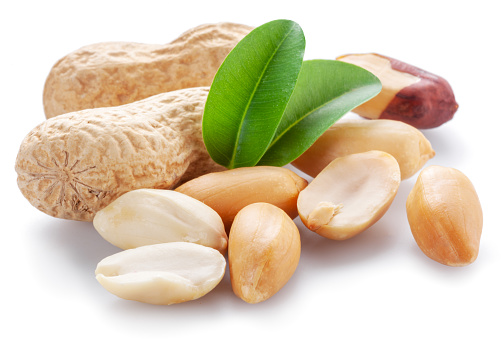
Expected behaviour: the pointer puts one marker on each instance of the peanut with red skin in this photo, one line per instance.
(410, 94)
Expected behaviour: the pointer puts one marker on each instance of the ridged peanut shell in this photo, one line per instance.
(404, 142)
(263, 251)
(116, 73)
(227, 192)
(73, 165)
(445, 216)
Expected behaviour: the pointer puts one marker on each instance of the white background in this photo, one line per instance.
(376, 286)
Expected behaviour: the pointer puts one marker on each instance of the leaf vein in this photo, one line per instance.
(232, 161)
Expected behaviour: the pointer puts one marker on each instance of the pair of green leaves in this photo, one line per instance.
(266, 106)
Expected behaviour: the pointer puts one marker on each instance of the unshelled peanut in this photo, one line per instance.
(404, 142)
(445, 216)
(116, 73)
(73, 165)
(227, 192)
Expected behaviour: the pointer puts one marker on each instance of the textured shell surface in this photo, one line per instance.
(73, 165)
(116, 73)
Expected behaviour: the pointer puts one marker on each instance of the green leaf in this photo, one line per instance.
(250, 92)
(325, 91)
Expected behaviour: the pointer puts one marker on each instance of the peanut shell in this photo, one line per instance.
(116, 73)
(73, 165)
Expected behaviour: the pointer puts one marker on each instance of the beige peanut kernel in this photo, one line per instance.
(404, 142)
(227, 192)
(116, 73)
(162, 274)
(350, 194)
(150, 216)
(73, 165)
(263, 251)
(445, 216)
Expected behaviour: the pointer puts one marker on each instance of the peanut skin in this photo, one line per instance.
(227, 192)
(73, 165)
(406, 143)
(117, 73)
(445, 216)
(263, 251)
(410, 94)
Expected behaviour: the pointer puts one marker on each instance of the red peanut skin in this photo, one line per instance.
(426, 104)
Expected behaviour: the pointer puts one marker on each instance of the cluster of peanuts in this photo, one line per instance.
(122, 147)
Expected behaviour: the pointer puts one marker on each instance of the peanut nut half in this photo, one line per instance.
(404, 142)
(73, 165)
(263, 251)
(227, 192)
(445, 216)
(162, 274)
(149, 216)
(409, 94)
(116, 73)
(350, 194)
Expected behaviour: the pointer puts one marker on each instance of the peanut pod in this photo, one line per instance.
(73, 165)
(117, 73)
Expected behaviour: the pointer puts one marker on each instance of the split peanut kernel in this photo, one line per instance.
(350, 194)
(162, 274)
(149, 216)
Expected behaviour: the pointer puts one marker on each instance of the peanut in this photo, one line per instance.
(117, 73)
(409, 94)
(227, 192)
(263, 251)
(162, 274)
(404, 142)
(445, 216)
(148, 216)
(73, 165)
(350, 194)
